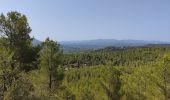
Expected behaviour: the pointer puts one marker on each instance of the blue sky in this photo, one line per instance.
(95, 19)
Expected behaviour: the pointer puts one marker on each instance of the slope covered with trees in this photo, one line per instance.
(43, 72)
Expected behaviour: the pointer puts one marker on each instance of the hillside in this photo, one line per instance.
(101, 69)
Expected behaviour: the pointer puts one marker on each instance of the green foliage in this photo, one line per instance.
(138, 84)
(16, 53)
(43, 72)
(149, 82)
(123, 57)
(162, 73)
(5, 71)
(14, 31)
(20, 89)
(50, 58)
(85, 82)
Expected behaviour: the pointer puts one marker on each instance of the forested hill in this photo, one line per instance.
(127, 56)
(43, 72)
(130, 73)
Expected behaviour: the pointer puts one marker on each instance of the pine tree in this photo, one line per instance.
(14, 31)
(50, 58)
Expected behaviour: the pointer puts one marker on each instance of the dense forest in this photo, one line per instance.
(44, 72)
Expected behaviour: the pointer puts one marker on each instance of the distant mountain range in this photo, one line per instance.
(100, 43)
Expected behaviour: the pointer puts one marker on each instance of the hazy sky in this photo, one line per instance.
(95, 19)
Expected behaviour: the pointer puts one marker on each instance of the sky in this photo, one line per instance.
(65, 20)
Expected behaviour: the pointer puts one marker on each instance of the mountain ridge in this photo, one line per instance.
(83, 45)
